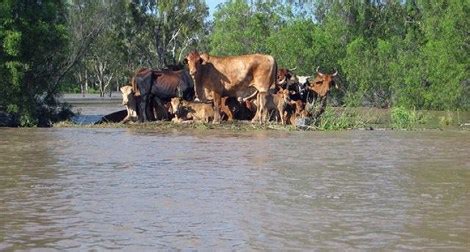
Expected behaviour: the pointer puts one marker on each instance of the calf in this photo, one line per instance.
(189, 110)
(277, 104)
(229, 109)
(129, 100)
(238, 109)
(295, 110)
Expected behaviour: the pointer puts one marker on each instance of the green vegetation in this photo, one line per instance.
(337, 120)
(410, 54)
(33, 59)
(403, 118)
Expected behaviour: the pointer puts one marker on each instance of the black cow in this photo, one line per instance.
(161, 86)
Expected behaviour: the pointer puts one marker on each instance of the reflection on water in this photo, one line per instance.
(141, 190)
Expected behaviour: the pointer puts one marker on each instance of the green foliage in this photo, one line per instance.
(337, 120)
(240, 28)
(33, 41)
(163, 28)
(291, 45)
(446, 119)
(11, 42)
(402, 118)
(127, 35)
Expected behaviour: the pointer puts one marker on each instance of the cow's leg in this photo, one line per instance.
(151, 107)
(143, 108)
(217, 105)
(263, 107)
(159, 109)
(257, 116)
(281, 114)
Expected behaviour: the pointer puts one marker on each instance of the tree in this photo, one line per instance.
(171, 27)
(33, 43)
(241, 28)
(292, 46)
(87, 20)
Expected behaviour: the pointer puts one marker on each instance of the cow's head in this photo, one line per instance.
(285, 94)
(284, 75)
(127, 94)
(194, 60)
(323, 82)
(175, 104)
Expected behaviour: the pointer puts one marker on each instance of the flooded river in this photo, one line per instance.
(130, 189)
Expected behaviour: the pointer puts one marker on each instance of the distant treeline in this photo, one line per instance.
(409, 53)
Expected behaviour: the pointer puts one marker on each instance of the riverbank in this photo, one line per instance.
(91, 109)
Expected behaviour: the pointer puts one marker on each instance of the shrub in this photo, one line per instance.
(403, 118)
(337, 120)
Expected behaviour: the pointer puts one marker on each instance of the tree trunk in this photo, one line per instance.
(100, 85)
(86, 81)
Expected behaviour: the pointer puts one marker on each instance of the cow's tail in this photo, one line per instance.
(274, 74)
(135, 88)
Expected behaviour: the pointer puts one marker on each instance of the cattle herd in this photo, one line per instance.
(211, 89)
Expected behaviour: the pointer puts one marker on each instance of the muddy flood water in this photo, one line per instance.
(145, 190)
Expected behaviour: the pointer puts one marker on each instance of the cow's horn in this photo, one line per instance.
(335, 73)
(318, 72)
(293, 69)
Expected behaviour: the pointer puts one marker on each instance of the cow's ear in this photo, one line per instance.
(185, 61)
(204, 58)
(201, 61)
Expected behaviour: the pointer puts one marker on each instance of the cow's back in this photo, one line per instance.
(241, 72)
(166, 85)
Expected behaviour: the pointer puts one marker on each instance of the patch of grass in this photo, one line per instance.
(337, 120)
(403, 118)
(446, 120)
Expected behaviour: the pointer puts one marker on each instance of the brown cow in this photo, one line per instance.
(189, 110)
(321, 86)
(236, 76)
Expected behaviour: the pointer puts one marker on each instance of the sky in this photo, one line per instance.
(212, 4)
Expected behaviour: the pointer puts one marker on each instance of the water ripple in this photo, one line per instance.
(100, 189)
